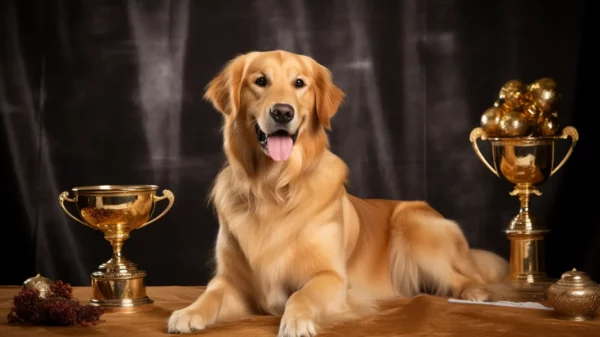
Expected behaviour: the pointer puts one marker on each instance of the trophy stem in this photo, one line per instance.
(117, 262)
(524, 199)
(524, 221)
(118, 285)
(527, 277)
(117, 245)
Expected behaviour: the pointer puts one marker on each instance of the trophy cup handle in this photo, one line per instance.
(568, 131)
(64, 196)
(476, 134)
(166, 195)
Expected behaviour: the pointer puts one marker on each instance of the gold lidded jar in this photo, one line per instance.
(40, 283)
(575, 296)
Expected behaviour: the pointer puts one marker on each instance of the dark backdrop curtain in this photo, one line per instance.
(109, 92)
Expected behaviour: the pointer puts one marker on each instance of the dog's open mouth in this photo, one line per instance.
(278, 145)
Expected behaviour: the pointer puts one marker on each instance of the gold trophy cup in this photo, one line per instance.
(526, 162)
(116, 210)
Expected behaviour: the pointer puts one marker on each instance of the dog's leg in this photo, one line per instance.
(321, 280)
(431, 250)
(324, 290)
(226, 294)
(489, 266)
(220, 300)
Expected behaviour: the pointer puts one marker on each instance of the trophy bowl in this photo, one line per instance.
(117, 210)
(525, 162)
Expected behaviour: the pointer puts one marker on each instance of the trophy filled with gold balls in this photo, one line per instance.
(522, 127)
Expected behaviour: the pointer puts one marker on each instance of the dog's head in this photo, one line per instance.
(273, 102)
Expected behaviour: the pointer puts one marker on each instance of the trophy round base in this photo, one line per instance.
(516, 291)
(124, 306)
(120, 293)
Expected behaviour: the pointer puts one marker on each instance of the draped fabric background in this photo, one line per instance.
(109, 92)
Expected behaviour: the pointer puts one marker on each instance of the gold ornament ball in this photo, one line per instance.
(490, 121)
(514, 124)
(513, 93)
(42, 284)
(548, 126)
(532, 111)
(544, 92)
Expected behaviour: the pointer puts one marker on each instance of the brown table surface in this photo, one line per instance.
(420, 316)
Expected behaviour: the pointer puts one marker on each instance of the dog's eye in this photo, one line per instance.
(299, 83)
(261, 81)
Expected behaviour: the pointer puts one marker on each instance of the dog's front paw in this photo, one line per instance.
(296, 325)
(185, 321)
(475, 295)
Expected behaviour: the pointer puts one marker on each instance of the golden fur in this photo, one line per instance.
(291, 240)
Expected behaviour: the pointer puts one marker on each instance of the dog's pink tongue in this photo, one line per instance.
(280, 147)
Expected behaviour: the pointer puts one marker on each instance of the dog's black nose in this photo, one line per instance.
(282, 113)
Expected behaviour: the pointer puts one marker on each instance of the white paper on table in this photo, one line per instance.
(527, 305)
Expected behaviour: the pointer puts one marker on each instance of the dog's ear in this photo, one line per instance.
(328, 96)
(223, 91)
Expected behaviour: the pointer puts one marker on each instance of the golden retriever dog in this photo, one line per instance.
(292, 241)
